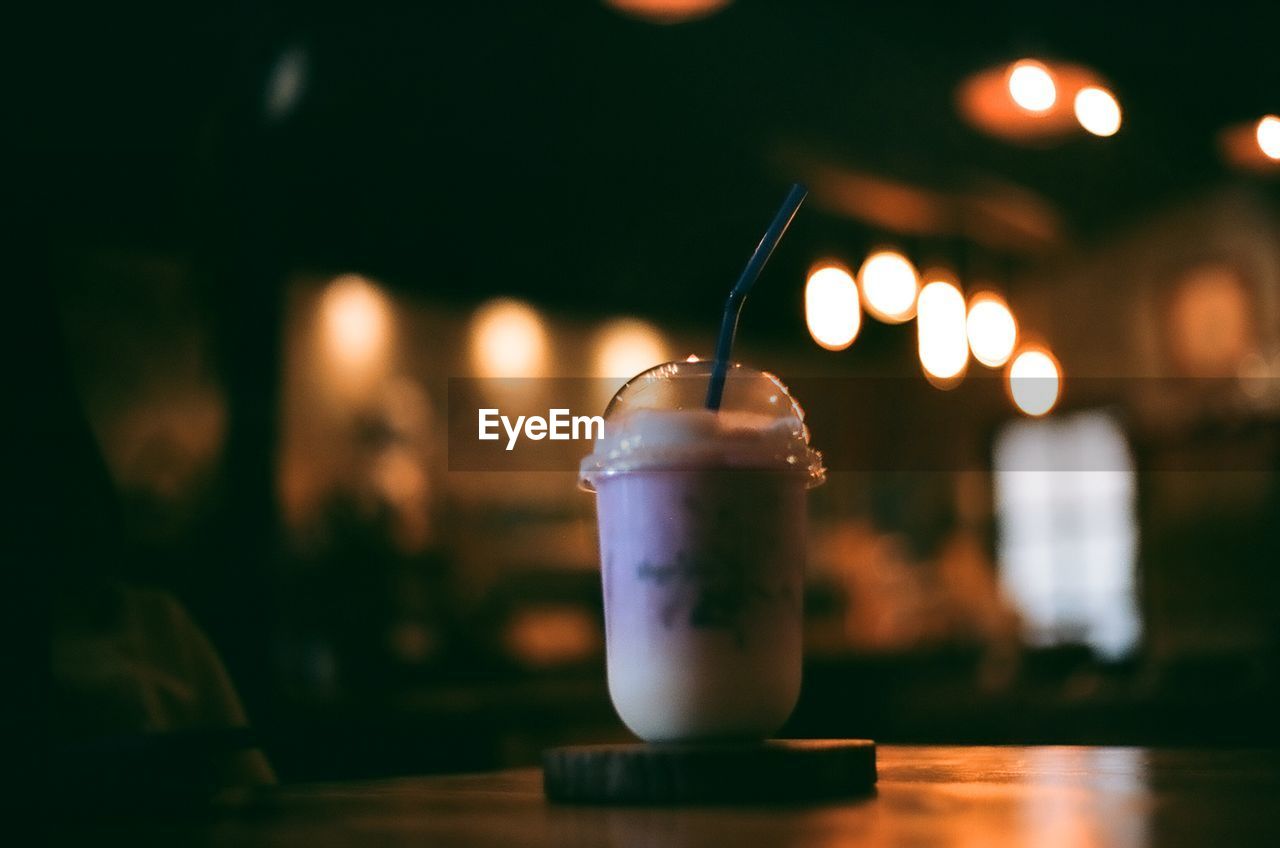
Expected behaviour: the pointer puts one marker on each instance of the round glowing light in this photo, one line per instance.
(508, 340)
(356, 320)
(831, 307)
(693, 357)
(991, 329)
(1268, 134)
(1098, 111)
(889, 285)
(626, 347)
(940, 325)
(1035, 381)
(1032, 87)
(668, 11)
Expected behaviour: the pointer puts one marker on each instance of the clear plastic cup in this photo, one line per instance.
(702, 519)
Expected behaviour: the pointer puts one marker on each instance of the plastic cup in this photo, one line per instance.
(702, 519)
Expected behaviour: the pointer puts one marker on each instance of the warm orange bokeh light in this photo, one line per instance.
(508, 339)
(1001, 100)
(626, 347)
(831, 308)
(1252, 145)
(1211, 321)
(941, 337)
(1034, 381)
(1098, 111)
(991, 329)
(1268, 135)
(356, 324)
(668, 11)
(1032, 86)
(889, 286)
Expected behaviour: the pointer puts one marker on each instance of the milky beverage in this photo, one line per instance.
(702, 519)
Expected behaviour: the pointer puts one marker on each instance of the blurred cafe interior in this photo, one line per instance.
(276, 232)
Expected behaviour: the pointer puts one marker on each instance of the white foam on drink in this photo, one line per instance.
(650, 439)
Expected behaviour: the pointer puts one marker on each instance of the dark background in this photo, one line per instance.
(592, 163)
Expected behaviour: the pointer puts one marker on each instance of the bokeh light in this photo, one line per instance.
(941, 333)
(508, 339)
(356, 320)
(1268, 135)
(1252, 146)
(1098, 111)
(831, 307)
(1035, 381)
(626, 347)
(1027, 101)
(991, 329)
(668, 11)
(889, 286)
(1031, 86)
(1211, 320)
(286, 83)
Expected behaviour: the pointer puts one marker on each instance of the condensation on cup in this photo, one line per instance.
(702, 519)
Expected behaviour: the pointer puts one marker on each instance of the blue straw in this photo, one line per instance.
(733, 306)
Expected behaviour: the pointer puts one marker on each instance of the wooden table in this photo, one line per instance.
(958, 796)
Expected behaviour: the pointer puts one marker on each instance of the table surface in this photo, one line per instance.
(961, 796)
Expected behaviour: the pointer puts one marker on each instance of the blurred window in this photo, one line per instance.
(1064, 493)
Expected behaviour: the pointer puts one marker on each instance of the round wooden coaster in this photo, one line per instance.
(782, 770)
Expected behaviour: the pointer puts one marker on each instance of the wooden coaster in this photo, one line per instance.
(782, 770)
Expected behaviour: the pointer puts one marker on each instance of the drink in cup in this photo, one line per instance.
(702, 519)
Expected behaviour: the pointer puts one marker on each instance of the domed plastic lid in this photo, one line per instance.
(659, 420)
